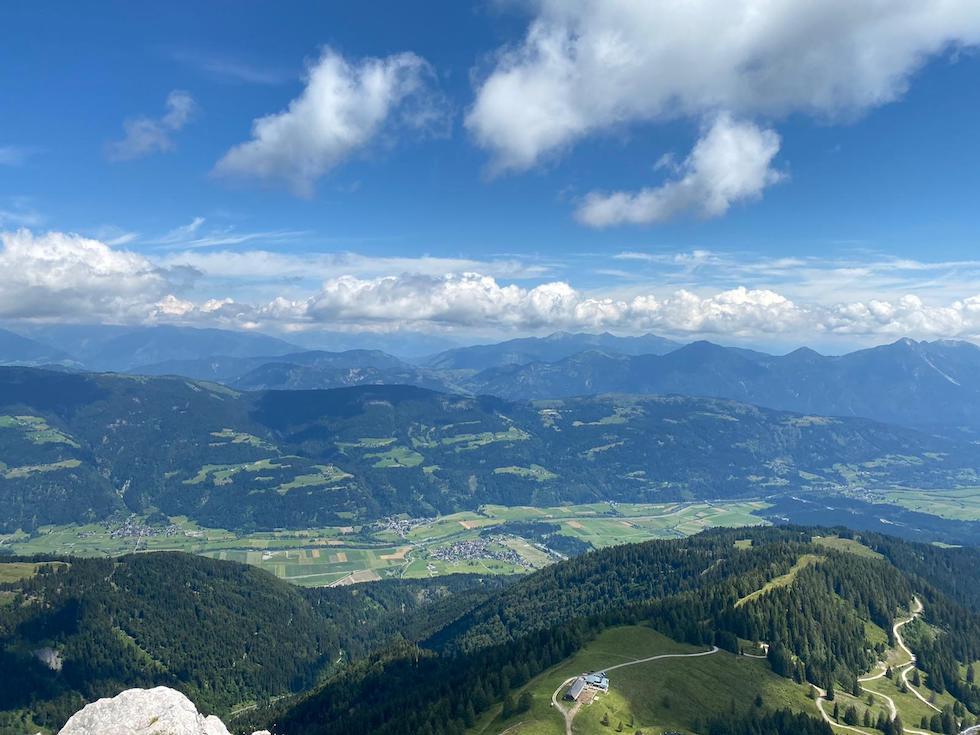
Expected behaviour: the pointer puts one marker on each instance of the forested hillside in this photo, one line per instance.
(75, 447)
(436, 655)
(223, 633)
(815, 600)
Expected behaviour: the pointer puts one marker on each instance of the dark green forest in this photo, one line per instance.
(223, 633)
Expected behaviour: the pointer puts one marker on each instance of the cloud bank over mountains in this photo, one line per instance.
(65, 277)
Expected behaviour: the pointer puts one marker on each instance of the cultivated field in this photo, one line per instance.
(476, 542)
(958, 504)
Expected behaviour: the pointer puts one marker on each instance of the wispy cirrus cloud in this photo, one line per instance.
(19, 211)
(16, 155)
(194, 235)
(231, 69)
(862, 274)
(266, 265)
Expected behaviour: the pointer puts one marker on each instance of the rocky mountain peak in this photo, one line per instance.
(159, 711)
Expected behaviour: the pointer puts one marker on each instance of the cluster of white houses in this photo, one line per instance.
(596, 682)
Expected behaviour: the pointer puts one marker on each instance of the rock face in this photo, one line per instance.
(159, 711)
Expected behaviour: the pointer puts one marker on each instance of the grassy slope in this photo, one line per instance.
(670, 694)
(783, 580)
(16, 571)
(852, 546)
(693, 687)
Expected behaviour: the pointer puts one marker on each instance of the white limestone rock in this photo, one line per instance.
(159, 711)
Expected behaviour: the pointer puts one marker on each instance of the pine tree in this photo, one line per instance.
(525, 701)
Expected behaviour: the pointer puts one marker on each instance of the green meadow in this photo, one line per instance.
(656, 696)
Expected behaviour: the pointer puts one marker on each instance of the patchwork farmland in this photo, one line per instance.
(491, 540)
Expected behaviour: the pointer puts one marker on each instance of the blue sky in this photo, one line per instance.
(811, 178)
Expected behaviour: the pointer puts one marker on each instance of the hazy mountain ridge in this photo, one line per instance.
(552, 348)
(934, 386)
(16, 349)
(124, 348)
(229, 368)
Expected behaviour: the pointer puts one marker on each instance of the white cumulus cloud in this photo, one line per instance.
(475, 300)
(63, 276)
(731, 162)
(586, 66)
(344, 105)
(147, 135)
(57, 276)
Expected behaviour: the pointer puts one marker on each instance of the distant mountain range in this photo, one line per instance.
(546, 349)
(932, 386)
(929, 385)
(18, 350)
(229, 368)
(121, 349)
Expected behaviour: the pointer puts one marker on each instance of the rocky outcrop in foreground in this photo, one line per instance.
(159, 711)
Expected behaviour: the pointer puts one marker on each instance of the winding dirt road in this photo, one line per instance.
(916, 611)
(569, 713)
(905, 668)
